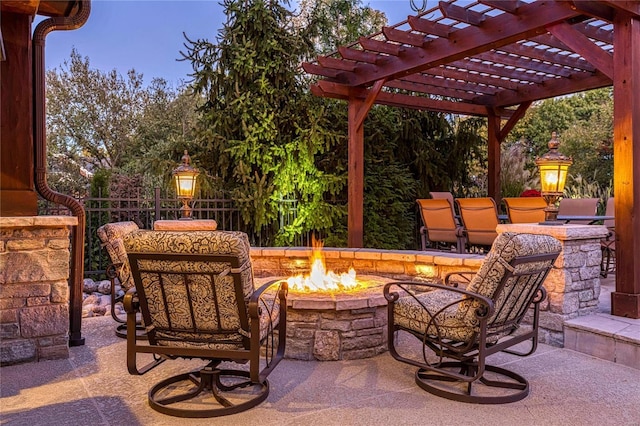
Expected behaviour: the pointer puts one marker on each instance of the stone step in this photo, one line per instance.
(605, 336)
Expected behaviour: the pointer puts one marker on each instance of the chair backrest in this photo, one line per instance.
(193, 287)
(442, 196)
(525, 209)
(610, 211)
(111, 236)
(511, 275)
(438, 219)
(578, 207)
(479, 218)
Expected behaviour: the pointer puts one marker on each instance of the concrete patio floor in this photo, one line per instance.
(93, 387)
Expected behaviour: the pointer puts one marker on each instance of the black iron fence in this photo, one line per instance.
(145, 209)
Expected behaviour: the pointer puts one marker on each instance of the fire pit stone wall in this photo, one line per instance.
(349, 325)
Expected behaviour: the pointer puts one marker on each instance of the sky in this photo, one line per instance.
(147, 35)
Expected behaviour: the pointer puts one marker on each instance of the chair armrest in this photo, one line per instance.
(405, 285)
(467, 276)
(130, 302)
(254, 308)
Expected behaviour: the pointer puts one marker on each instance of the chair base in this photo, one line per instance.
(204, 388)
(121, 331)
(502, 387)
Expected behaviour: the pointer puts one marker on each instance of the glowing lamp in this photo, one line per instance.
(184, 177)
(553, 168)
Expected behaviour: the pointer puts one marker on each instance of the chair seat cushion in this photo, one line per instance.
(435, 310)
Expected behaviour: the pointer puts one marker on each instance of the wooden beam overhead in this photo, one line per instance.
(382, 46)
(510, 6)
(580, 44)
(595, 9)
(405, 37)
(461, 14)
(429, 27)
(495, 32)
(362, 56)
(630, 6)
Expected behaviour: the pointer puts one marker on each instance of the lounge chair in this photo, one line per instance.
(479, 218)
(525, 209)
(456, 329)
(440, 227)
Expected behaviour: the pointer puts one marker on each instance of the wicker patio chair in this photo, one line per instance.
(457, 329)
(479, 219)
(525, 209)
(440, 227)
(196, 293)
(608, 244)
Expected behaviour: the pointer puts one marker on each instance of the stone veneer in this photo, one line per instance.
(34, 288)
(573, 285)
(351, 325)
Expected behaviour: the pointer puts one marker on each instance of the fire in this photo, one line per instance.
(319, 280)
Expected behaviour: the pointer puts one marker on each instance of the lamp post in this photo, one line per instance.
(553, 168)
(184, 177)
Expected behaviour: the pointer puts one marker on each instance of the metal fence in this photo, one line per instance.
(144, 210)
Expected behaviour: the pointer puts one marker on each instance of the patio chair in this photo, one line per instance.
(578, 207)
(608, 244)
(525, 209)
(118, 271)
(479, 218)
(440, 226)
(196, 294)
(457, 329)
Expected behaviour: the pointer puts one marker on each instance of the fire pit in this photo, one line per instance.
(345, 323)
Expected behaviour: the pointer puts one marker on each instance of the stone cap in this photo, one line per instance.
(561, 232)
(37, 221)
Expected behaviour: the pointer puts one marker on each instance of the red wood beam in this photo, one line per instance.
(493, 156)
(510, 6)
(524, 63)
(320, 70)
(384, 47)
(461, 14)
(595, 9)
(463, 88)
(625, 301)
(339, 91)
(429, 27)
(338, 64)
(550, 89)
(405, 37)
(355, 207)
(495, 32)
(544, 55)
(630, 6)
(513, 120)
(362, 56)
(579, 43)
(464, 75)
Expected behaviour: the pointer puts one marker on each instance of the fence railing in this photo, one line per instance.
(145, 210)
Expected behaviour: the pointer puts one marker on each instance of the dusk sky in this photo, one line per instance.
(147, 35)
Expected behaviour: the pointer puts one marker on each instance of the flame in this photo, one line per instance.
(319, 280)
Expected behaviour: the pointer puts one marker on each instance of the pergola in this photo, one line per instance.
(494, 59)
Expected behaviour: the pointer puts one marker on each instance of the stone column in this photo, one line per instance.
(34, 288)
(573, 285)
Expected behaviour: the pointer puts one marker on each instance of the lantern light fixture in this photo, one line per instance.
(184, 177)
(553, 168)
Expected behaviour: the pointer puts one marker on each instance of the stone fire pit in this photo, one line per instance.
(353, 324)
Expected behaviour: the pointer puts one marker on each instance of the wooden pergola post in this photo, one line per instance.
(625, 301)
(493, 155)
(358, 110)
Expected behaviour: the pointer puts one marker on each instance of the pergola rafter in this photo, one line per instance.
(494, 59)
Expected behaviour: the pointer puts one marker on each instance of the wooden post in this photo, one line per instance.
(18, 196)
(493, 142)
(625, 301)
(356, 175)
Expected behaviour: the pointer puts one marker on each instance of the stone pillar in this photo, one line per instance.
(34, 288)
(573, 285)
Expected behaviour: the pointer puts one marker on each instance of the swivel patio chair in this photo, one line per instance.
(525, 209)
(479, 218)
(118, 271)
(196, 294)
(466, 326)
(440, 227)
(608, 244)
